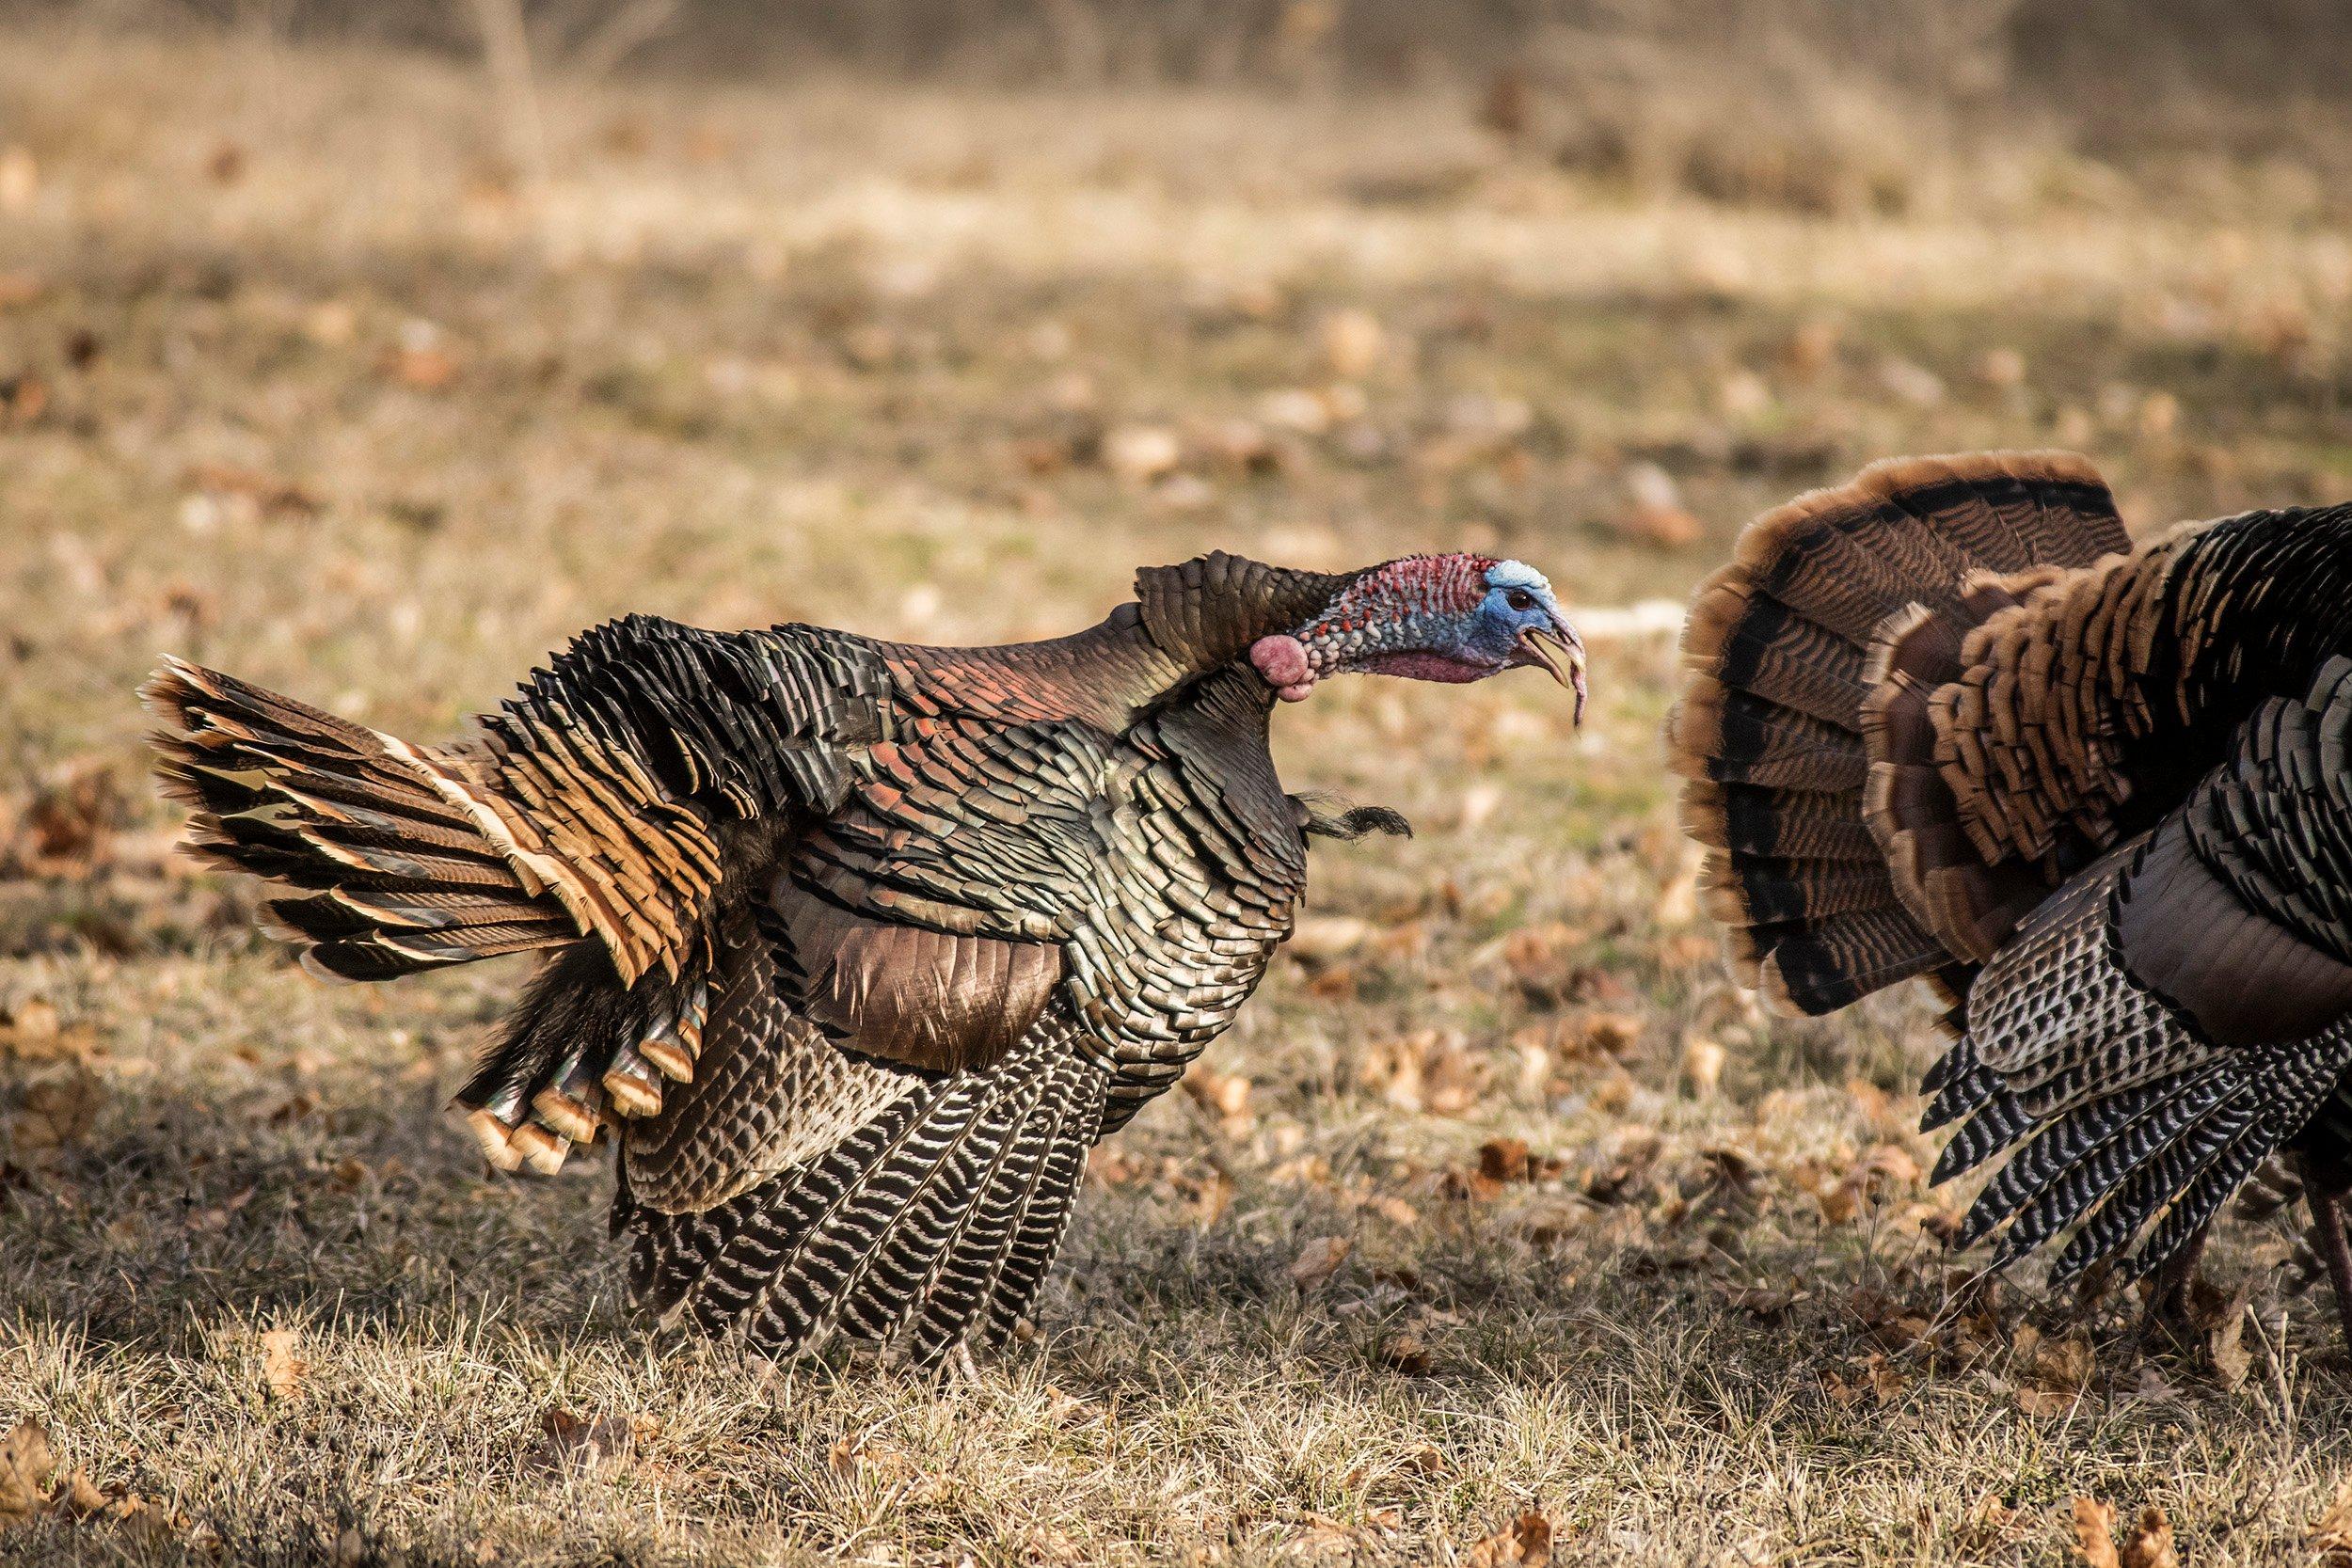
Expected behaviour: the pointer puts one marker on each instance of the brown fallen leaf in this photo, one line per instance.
(56, 1109)
(2046, 1402)
(204, 1222)
(282, 1368)
(1609, 1033)
(270, 496)
(1894, 1164)
(80, 1498)
(1206, 1193)
(1989, 1521)
(1887, 1382)
(2094, 1532)
(1225, 1096)
(571, 1444)
(25, 1466)
(1405, 1352)
(31, 1032)
(1322, 1538)
(2330, 1538)
(1623, 1172)
(1886, 1170)
(1505, 1160)
(421, 369)
(2150, 1543)
(1667, 528)
(2065, 1363)
(866, 1457)
(1763, 1301)
(1525, 1542)
(65, 829)
(1318, 1260)
(22, 399)
(1429, 1069)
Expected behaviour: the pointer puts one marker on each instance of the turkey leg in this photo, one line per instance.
(2328, 1219)
(2166, 1319)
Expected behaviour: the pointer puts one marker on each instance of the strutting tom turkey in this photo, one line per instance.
(859, 946)
(1949, 721)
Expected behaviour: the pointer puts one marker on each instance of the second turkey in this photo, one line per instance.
(1950, 722)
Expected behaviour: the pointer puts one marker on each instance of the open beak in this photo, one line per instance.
(1537, 643)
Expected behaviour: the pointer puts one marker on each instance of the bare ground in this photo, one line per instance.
(303, 373)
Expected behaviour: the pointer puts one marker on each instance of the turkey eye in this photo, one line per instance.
(1519, 598)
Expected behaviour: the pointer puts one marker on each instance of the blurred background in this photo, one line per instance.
(753, 309)
(368, 351)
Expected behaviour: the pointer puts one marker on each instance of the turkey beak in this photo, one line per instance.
(1538, 642)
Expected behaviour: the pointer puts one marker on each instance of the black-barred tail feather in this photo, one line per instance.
(384, 844)
(1772, 732)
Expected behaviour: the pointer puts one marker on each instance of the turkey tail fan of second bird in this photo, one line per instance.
(1771, 729)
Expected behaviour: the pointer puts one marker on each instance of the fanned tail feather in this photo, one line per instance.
(393, 871)
(1774, 732)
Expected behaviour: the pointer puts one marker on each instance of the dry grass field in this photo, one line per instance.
(1503, 1225)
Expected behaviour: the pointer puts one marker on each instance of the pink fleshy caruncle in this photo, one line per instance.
(1282, 661)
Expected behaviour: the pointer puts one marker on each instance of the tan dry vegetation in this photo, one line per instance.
(1501, 1225)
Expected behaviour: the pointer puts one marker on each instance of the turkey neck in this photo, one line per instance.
(1187, 626)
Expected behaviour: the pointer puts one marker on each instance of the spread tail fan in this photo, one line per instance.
(1771, 732)
(392, 863)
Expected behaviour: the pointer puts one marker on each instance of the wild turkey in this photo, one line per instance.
(1948, 722)
(860, 946)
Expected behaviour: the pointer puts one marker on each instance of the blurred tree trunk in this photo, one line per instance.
(506, 50)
